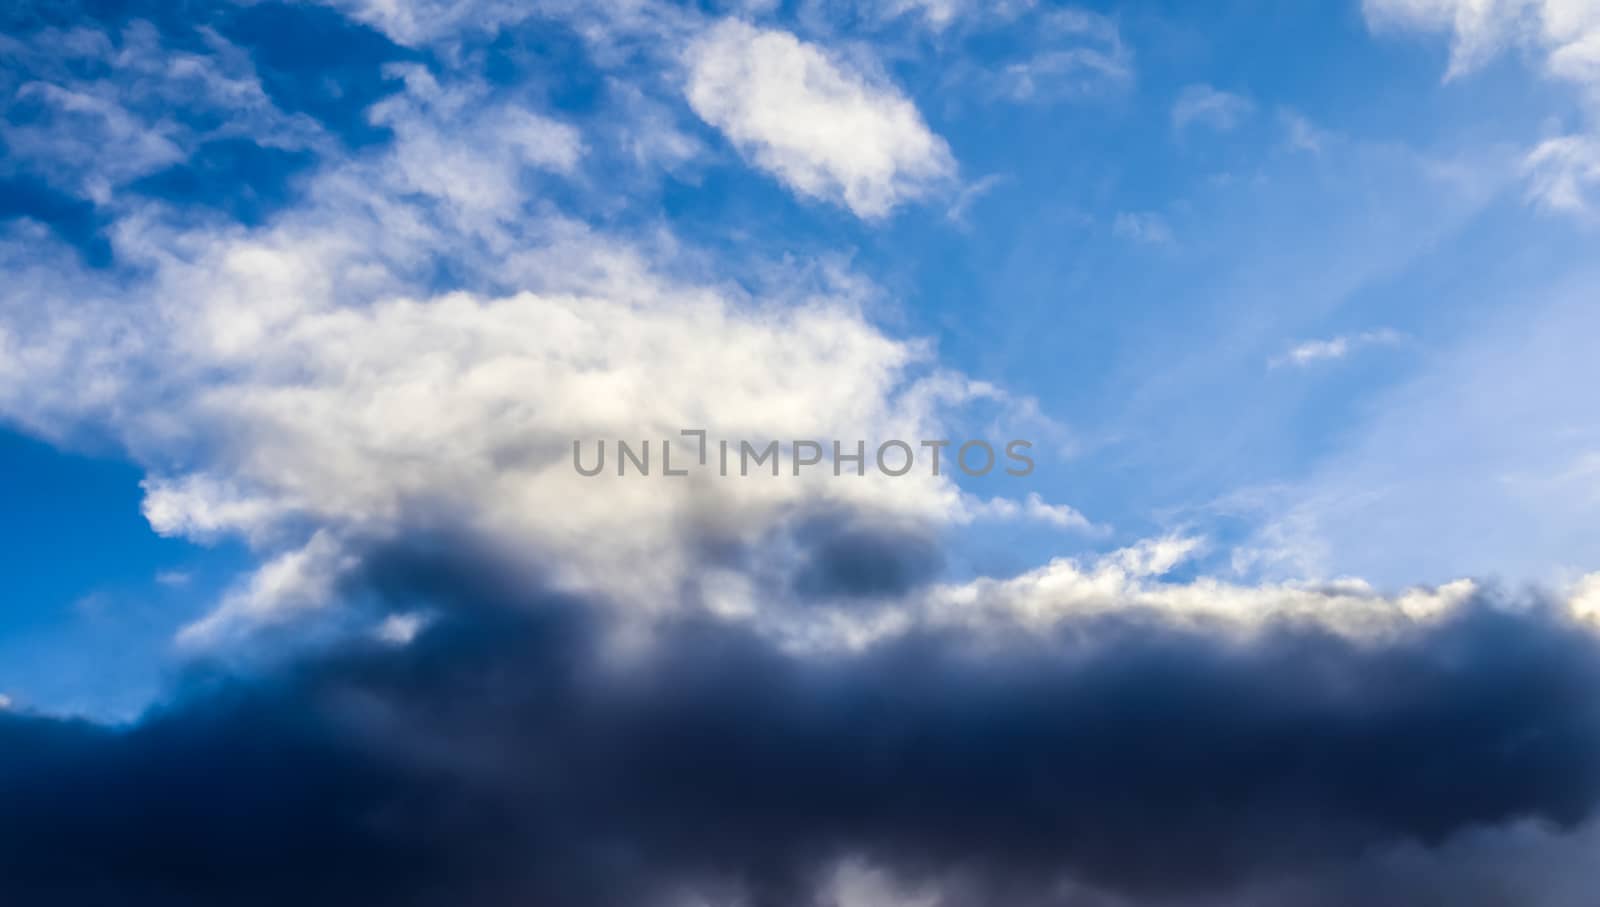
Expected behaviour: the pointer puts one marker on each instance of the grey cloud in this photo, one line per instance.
(514, 754)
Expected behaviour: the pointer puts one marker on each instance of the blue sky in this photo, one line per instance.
(306, 309)
(1285, 280)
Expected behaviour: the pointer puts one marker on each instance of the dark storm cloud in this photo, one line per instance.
(843, 558)
(514, 755)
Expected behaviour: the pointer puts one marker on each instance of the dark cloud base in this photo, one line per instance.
(516, 753)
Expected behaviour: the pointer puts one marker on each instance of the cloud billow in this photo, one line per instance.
(824, 129)
(526, 749)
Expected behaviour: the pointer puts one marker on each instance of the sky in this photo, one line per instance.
(306, 304)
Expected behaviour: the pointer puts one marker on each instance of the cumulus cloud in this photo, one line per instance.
(1132, 580)
(1211, 107)
(316, 390)
(482, 180)
(762, 690)
(825, 129)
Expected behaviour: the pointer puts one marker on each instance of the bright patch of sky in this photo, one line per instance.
(1311, 287)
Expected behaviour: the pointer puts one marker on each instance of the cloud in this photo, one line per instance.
(502, 682)
(1072, 53)
(1207, 106)
(1302, 134)
(841, 559)
(517, 749)
(420, 22)
(1484, 454)
(1034, 507)
(942, 18)
(1566, 33)
(937, 14)
(1311, 352)
(483, 181)
(401, 629)
(1146, 227)
(1563, 172)
(149, 106)
(305, 385)
(970, 195)
(304, 579)
(1065, 591)
(825, 129)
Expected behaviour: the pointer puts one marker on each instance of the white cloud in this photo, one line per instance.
(1072, 53)
(1302, 134)
(649, 131)
(1311, 352)
(400, 629)
(971, 194)
(890, 17)
(1563, 172)
(5, 702)
(1566, 33)
(301, 385)
(1132, 583)
(1033, 507)
(824, 129)
(1129, 581)
(90, 136)
(301, 580)
(1208, 106)
(482, 179)
(938, 14)
(418, 22)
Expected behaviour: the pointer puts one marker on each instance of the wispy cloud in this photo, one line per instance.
(1036, 509)
(971, 194)
(1207, 106)
(97, 111)
(1301, 134)
(1311, 352)
(1563, 172)
(1084, 54)
(1145, 227)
